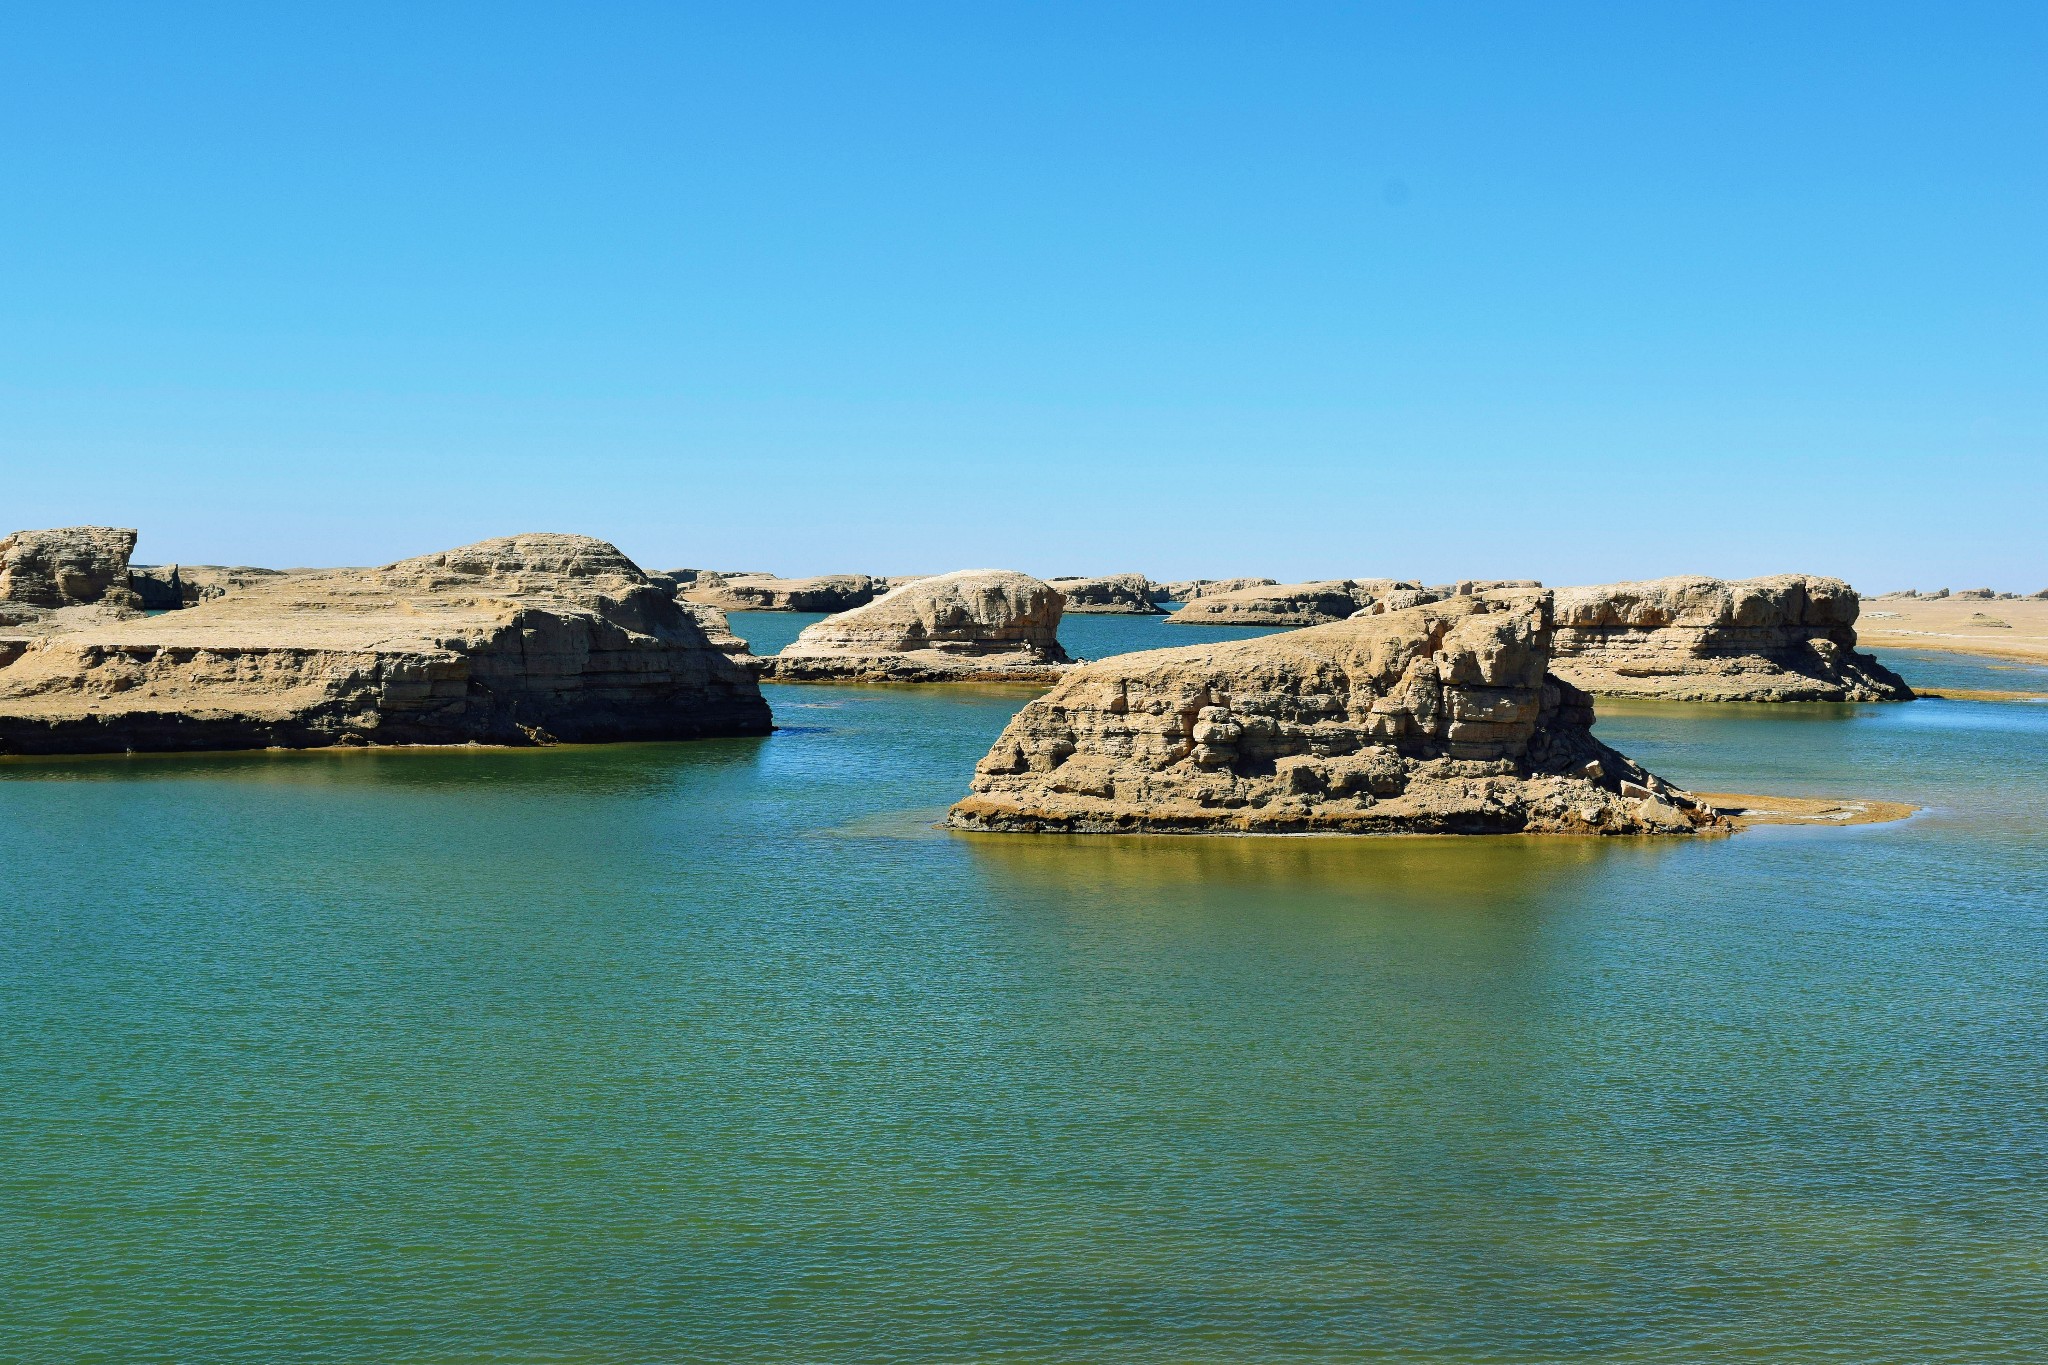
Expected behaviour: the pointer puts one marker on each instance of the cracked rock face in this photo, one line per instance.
(523, 639)
(1289, 604)
(73, 566)
(1438, 719)
(1123, 594)
(1791, 637)
(976, 625)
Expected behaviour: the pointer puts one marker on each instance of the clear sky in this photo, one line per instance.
(1570, 291)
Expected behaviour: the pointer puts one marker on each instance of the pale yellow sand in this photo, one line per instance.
(2007, 630)
(1746, 809)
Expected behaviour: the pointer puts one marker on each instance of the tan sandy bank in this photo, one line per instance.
(2014, 628)
(1745, 809)
(1980, 694)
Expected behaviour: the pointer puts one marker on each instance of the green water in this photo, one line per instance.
(719, 1052)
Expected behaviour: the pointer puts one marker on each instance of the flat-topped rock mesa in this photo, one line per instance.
(524, 639)
(1290, 604)
(71, 566)
(763, 592)
(976, 625)
(1435, 719)
(1123, 594)
(1188, 589)
(1791, 637)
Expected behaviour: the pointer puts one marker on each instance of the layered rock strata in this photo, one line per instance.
(1290, 604)
(524, 639)
(762, 592)
(1786, 638)
(72, 566)
(977, 625)
(1123, 594)
(1436, 719)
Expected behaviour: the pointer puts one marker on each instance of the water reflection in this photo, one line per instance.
(1448, 870)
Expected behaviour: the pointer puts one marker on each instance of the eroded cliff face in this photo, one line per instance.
(1439, 718)
(1791, 637)
(976, 625)
(524, 639)
(71, 566)
(1290, 604)
(1123, 594)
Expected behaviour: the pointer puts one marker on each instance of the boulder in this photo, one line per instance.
(1435, 719)
(764, 592)
(73, 566)
(1123, 594)
(977, 625)
(525, 639)
(1787, 638)
(1288, 604)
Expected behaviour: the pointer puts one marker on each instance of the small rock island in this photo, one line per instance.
(520, 640)
(1791, 637)
(1441, 718)
(975, 625)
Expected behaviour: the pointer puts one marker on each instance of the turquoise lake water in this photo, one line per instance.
(720, 1052)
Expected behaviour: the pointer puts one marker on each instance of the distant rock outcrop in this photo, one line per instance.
(169, 587)
(1188, 589)
(73, 566)
(1787, 638)
(977, 625)
(762, 592)
(1436, 719)
(1289, 604)
(1123, 594)
(525, 639)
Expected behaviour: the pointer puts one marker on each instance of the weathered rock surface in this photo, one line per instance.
(1188, 589)
(518, 640)
(1437, 719)
(1787, 638)
(717, 629)
(1123, 594)
(977, 625)
(1288, 604)
(763, 592)
(169, 587)
(73, 566)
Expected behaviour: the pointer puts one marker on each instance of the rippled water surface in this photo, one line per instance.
(720, 1052)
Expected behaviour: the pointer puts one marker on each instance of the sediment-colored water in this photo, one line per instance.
(720, 1052)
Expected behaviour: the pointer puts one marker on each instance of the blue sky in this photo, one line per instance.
(1577, 292)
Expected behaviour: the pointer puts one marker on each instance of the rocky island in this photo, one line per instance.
(1435, 719)
(525, 639)
(1287, 604)
(764, 592)
(976, 625)
(1791, 637)
(1123, 594)
(1188, 589)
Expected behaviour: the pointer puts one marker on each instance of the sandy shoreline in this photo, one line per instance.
(1746, 809)
(2016, 629)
